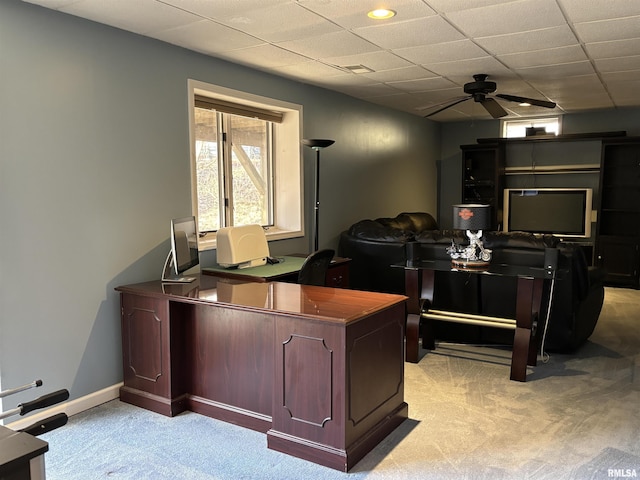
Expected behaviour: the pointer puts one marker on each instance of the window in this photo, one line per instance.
(233, 160)
(517, 128)
(246, 162)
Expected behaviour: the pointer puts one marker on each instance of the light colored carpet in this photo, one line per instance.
(577, 417)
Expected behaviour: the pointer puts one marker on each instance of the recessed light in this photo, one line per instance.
(381, 14)
(524, 104)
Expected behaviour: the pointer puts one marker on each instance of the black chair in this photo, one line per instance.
(314, 268)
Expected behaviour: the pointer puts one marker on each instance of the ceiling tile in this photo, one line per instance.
(616, 48)
(222, 9)
(278, 23)
(621, 77)
(488, 65)
(442, 52)
(423, 84)
(400, 74)
(422, 31)
(141, 16)
(550, 56)
(329, 45)
(506, 18)
(208, 37)
(560, 36)
(607, 65)
(558, 71)
(264, 55)
(590, 10)
(605, 30)
(564, 91)
(446, 6)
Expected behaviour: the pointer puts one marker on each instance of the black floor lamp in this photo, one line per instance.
(317, 144)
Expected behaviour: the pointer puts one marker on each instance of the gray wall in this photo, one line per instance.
(455, 134)
(94, 162)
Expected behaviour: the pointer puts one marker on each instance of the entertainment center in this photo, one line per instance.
(553, 177)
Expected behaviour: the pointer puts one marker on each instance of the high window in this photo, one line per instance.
(246, 165)
(518, 128)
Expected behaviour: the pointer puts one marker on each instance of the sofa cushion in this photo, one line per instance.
(443, 237)
(420, 221)
(414, 222)
(496, 240)
(377, 231)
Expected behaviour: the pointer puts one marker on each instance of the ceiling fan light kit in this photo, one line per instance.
(478, 91)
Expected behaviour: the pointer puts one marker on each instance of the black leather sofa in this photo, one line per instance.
(374, 245)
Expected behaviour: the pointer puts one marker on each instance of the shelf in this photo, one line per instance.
(571, 137)
(554, 169)
(479, 183)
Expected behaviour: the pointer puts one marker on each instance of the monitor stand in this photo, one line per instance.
(168, 272)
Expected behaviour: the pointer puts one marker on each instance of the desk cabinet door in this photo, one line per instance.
(145, 349)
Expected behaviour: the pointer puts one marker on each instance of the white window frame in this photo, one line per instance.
(288, 202)
(530, 122)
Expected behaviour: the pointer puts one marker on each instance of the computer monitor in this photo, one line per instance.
(184, 250)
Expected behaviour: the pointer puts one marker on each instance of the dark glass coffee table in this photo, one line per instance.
(528, 321)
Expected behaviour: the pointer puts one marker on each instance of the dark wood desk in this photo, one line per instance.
(285, 271)
(419, 286)
(320, 370)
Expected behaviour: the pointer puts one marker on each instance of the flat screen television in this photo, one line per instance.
(564, 212)
(184, 250)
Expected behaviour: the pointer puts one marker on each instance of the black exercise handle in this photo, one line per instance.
(46, 425)
(44, 401)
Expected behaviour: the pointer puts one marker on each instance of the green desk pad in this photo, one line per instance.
(286, 266)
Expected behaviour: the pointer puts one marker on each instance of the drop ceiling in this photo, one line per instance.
(582, 54)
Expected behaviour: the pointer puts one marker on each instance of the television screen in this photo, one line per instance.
(565, 212)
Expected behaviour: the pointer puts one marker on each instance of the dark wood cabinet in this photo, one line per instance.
(618, 238)
(483, 177)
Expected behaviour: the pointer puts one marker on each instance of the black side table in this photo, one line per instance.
(419, 285)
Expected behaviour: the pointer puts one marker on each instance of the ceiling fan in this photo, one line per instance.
(478, 91)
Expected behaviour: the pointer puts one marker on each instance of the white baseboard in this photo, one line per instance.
(70, 408)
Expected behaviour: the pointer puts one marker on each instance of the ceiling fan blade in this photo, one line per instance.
(532, 101)
(493, 108)
(464, 99)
